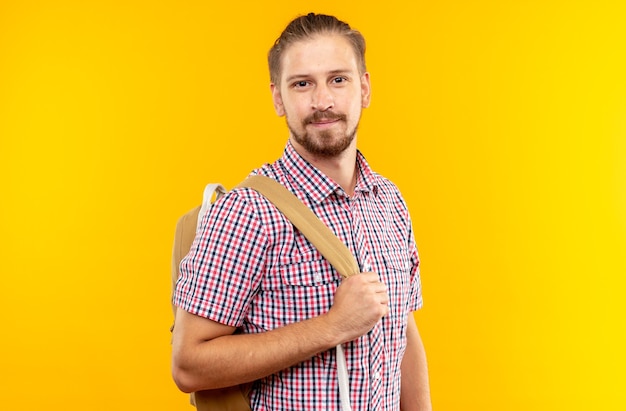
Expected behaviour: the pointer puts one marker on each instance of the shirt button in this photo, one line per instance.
(377, 375)
(317, 278)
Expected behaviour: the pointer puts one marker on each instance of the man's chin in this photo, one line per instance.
(325, 149)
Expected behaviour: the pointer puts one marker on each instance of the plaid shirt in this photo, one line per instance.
(250, 268)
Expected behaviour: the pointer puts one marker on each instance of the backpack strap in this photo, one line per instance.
(307, 222)
(326, 243)
(207, 198)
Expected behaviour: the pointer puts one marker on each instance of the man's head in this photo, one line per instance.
(306, 27)
(319, 83)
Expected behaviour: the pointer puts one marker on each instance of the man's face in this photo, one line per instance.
(321, 94)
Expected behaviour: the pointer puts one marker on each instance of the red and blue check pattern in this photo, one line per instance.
(250, 268)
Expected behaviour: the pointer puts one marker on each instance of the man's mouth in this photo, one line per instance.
(326, 121)
(320, 118)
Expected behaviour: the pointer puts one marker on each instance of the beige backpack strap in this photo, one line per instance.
(326, 243)
(307, 222)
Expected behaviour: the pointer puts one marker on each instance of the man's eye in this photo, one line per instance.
(338, 80)
(300, 83)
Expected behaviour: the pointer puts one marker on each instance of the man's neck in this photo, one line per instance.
(341, 168)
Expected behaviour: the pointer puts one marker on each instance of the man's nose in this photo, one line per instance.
(322, 98)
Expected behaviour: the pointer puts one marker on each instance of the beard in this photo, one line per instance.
(326, 143)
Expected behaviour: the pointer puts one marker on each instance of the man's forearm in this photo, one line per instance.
(234, 359)
(415, 394)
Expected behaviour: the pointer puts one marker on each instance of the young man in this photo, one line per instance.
(259, 302)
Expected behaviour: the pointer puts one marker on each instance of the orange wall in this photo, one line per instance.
(504, 123)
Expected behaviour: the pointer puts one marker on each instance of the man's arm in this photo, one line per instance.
(207, 354)
(415, 390)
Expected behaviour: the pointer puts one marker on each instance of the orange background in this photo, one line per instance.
(504, 124)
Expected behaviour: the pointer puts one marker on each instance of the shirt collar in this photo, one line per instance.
(306, 177)
(367, 180)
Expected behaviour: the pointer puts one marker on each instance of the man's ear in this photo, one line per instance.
(365, 90)
(277, 99)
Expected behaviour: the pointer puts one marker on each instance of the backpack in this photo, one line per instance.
(236, 398)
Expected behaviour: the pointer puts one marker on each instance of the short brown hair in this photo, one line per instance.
(306, 27)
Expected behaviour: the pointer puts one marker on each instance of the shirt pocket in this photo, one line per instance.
(309, 286)
(396, 259)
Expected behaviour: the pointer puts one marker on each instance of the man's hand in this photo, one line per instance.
(360, 302)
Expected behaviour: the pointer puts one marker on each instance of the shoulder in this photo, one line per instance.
(388, 191)
(245, 206)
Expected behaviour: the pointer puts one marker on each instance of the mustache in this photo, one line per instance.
(324, 115)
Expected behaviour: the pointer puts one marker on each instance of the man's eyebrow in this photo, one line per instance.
(295, 76)
(330, 73)
(336, 72)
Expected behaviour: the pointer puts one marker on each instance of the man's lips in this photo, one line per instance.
(326, 121)
(321, 119)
